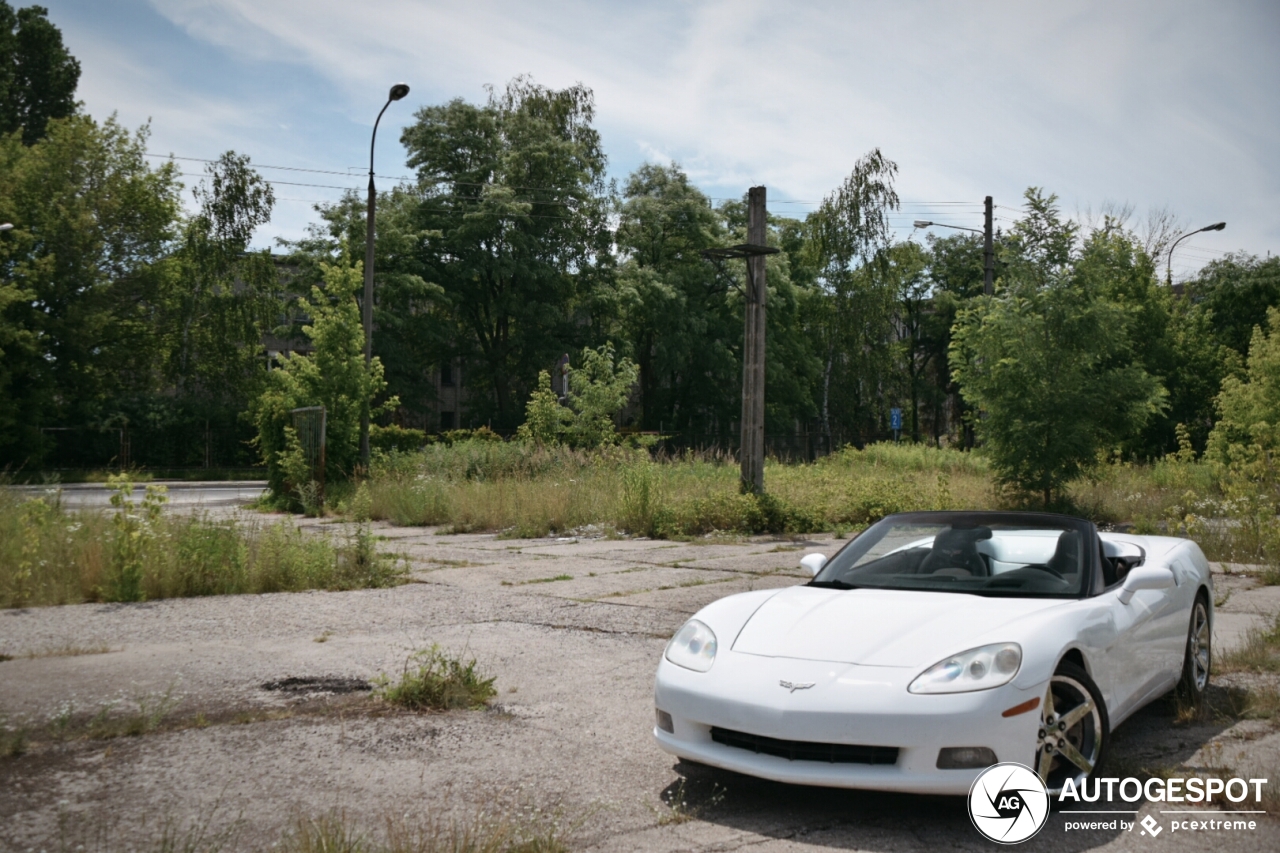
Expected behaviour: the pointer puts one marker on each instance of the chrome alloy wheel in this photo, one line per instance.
(1069, 741)
(1198, 647)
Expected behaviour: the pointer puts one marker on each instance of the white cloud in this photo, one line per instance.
(1154, 103)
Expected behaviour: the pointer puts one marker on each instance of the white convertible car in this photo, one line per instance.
(936, 644)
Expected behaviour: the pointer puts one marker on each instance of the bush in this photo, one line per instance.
(388, 438)
(431, 681)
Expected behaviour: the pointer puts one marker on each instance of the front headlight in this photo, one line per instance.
(977, 669)
(693, 647)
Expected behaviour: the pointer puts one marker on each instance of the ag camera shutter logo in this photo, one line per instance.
(1008, 803)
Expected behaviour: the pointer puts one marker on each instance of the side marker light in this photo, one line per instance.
(1029, 705)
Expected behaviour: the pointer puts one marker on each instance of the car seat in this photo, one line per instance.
(958, 549)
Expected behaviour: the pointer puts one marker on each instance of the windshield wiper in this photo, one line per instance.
(831, 585)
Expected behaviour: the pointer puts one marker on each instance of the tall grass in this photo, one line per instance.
(524, 490)
(532, 491)
(52, 556)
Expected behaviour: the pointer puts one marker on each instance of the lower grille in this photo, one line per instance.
(800, 750)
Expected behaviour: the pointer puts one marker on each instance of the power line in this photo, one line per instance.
(407, 178)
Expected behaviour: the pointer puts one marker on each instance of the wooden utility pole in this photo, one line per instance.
(754, 250)
(988, 251)
(752, 453)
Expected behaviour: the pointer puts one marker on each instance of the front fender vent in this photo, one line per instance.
(802, 750)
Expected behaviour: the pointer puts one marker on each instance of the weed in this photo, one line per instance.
(76, 833)
(1260, 651)
(548, 580)
(336, 833)
(13, 739)
(678, 807)
(134, 531)
(324, 637)
(150, 711)
(432, 681)
(330, 833)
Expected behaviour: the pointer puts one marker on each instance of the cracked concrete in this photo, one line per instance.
(569, 732)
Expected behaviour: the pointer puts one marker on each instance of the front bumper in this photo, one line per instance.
(847, 704)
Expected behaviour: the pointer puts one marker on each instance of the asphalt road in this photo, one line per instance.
(183, 494)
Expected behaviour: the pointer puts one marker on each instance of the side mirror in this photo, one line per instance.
(1145, 578)
(1126, 555)
(813, 562)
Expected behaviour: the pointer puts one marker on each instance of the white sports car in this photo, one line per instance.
(936, 644)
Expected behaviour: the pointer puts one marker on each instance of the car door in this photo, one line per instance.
(1135, 662)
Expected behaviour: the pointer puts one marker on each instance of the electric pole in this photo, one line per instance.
(988, 250)
(753, 342)
(753, 350)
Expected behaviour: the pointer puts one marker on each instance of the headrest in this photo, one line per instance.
(959, 538)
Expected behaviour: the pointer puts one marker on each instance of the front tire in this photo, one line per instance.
(1074, 729)
(1198, 658)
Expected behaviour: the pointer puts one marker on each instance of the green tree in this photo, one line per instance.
(545, 419)
(1049, 362)
(332, 375)
(91, 255)
(673, 309)
(1236, 291)
(598, 389)
(956, 266)
(852, 327)
(1249, 405)
(415, 326)
(512, 224)
(38, 76)
(228, 296)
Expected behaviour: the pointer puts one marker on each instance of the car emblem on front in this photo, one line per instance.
(793, 686)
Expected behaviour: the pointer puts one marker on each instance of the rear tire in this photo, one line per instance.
(1197, 661)
(1074, 729)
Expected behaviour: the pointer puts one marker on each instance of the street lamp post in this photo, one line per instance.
(1168, 270)
(988, 250)
(397, 92)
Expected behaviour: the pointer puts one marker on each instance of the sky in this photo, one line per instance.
(1156, 104)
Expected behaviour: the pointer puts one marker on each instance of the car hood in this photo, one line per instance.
(875, 627)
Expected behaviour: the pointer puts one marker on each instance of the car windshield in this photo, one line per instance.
(996, 554)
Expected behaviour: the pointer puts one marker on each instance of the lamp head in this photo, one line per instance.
(398, 91)
(1217, 226)
(8, 226)
(922, 223)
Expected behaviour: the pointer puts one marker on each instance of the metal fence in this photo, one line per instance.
(174, 446)
(310, 423)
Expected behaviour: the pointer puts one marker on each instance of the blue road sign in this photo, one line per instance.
(895, 419)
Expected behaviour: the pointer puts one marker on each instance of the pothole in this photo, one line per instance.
(319, 684)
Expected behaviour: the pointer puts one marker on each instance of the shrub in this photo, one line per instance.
(388, 438)
(431, 681)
